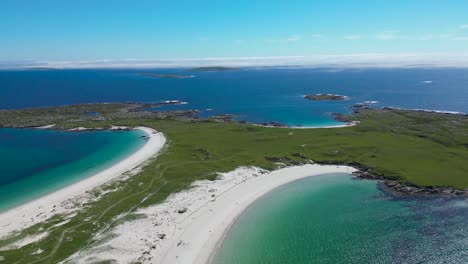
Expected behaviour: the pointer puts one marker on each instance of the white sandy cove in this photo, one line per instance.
(166, 235)
(59, 202)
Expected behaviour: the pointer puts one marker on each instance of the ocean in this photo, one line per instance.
(337, 219)
(255, 94)
(35, 162)
(325, 219)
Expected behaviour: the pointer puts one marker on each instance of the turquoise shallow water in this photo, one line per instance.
(336, 219)
(36, 162)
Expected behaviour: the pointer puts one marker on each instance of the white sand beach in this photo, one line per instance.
(189, 225)
(345, 124)
(62, 200)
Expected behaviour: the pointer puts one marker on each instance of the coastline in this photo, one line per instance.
(190, 225)
(59, 202)
(261, 187)
(345, 124)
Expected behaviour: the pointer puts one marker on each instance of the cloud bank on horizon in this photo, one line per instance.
(375, 60)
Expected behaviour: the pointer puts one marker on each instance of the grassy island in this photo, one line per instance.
(408, 148)
(325, 97)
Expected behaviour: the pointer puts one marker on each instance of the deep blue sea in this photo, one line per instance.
(255, 95)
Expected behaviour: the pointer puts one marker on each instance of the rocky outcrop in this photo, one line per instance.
(408, 189)
(182, 210)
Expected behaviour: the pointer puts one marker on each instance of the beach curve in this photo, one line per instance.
(44, 207)
(246, 195)
(190, 225)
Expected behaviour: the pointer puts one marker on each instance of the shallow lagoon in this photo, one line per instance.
(34, 162)
(337, 219)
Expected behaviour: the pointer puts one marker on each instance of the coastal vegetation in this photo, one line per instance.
(410, 149)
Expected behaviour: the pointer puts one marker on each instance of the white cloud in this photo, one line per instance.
(294, 38)
(387, 35)
(316, 36)
(436, 36)
(352, 37)
(364, 60)
(464, 38)
(427, 37)
(464, 26)
(445, 35)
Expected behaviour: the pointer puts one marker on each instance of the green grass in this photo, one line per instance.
(424, 149)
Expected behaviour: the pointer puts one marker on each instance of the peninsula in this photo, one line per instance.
(154, 200)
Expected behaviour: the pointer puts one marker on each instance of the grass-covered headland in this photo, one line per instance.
(414, 151)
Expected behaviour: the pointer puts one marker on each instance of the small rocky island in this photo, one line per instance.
(214, 69)
(325, 97)
(168, 76)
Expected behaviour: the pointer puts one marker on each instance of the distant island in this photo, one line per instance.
(41, 68)
(325, 97)
(212, 69)
(168, 76)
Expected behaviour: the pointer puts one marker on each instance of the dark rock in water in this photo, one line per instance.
(364, 105)
(183, 210)
(273, 124)
(408, 189)
(360, 106)
(340, 117)
(392, 184)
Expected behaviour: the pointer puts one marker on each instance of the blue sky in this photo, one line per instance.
(94, 30)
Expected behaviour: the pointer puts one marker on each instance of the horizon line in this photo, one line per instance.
(358, 60)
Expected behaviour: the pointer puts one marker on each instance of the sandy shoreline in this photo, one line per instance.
(189, 225)
(46, 206)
